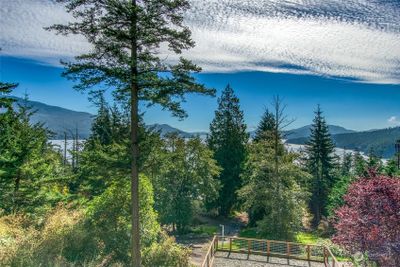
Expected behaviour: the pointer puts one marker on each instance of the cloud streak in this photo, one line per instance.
(394, 121)
(355, 39)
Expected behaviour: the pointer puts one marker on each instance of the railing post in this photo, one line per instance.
(248, 248)
(268, 248)
(308, 253)
(230, 245)
(288, 249)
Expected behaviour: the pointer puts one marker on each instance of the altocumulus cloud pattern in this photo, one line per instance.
(354, 39)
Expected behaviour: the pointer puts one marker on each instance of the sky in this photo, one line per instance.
(343, 55)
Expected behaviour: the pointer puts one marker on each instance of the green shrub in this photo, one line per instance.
(166, 253)
(99, 236)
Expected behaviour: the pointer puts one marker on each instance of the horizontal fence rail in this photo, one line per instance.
(270, 248)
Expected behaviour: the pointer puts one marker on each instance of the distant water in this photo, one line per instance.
(59, 145)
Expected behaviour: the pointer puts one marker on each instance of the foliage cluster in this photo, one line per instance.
(369, 220)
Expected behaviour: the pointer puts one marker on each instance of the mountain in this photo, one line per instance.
(305, 131)
(59, 120)
(380, 142)
(167, 129)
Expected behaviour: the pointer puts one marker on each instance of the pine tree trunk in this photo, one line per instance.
(135, 145)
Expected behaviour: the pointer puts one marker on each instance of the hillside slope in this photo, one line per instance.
(60, 120)
(381, 142)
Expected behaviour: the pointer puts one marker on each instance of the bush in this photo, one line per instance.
(369, 221)
(166, 253)
(99, 236)
(60, 239)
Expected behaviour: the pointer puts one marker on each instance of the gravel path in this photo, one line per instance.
(223, 259)
(200, 245)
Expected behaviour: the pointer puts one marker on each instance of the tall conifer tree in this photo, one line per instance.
(126, 36)
(228, 138)
(320, 162)
(266, 127)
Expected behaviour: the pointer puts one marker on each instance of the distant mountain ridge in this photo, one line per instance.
(59, 120)
(306, 130)
(167, 129)
(380, 142)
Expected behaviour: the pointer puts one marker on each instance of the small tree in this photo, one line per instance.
(369, 221)
(266, 127)
(187, 174)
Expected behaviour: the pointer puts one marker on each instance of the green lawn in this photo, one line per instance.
(308, 238)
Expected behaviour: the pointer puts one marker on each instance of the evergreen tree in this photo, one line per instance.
(391, 169)
(360, 168)
(346, 164)
(101, 127)
(266, 127)
(30, 169)
(126, 37)
(269, 133)
(374, 162)
(273, 197)
(228, 139)
(320, 164)
(5, 89)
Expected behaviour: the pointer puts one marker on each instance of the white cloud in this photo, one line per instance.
(394, 120)
(355, 39)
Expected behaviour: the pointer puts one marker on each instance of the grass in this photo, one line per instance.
(249, 233)
(308, 238)
(205, 229)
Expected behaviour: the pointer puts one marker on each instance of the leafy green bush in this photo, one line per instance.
(60, 239)
(166, 253)
(98, 236)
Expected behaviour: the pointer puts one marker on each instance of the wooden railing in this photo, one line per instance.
(209, 259)
(270, 248)
(329, 259)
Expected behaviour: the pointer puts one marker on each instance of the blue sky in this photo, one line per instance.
(343, 55)
(353, 105)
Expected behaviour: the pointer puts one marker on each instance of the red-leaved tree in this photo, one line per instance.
(369, 222)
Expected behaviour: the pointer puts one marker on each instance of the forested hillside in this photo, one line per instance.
(305, 131)
(58, 120)
(380, 142)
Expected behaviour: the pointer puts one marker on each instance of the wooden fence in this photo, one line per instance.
(270, 248)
